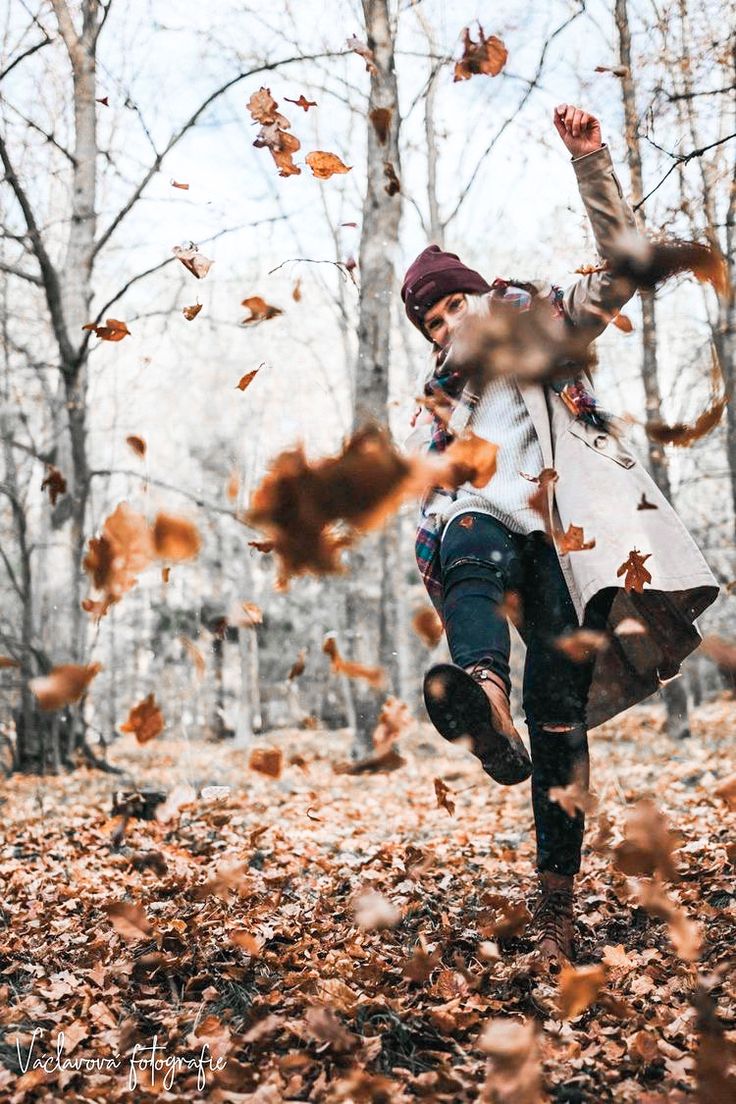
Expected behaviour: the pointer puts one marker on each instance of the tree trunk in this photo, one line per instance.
(674, 693)
(371, 605)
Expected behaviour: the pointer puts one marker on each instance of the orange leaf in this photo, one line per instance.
(302, 102)
(442, 792)
(273, 134)
(233, 486)
(129, 920)
(324, 165)
(268, 761)
(191, 313)
(63, 684)
(578, 988)
(487, 56)
(636, 575)
(296, 291)
(177, 184)
(259, 309)
(6, 661)
(113, 330)
(165, 574)
(297, 667)
(55, 482)
(623, 322)
(137, 444)
(581, 644)
(381, 119)
(248, 378)
(573, 540)
(145, 720)
(374, 676)
(175, 538)
(428, 626)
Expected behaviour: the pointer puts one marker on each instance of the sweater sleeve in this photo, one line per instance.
(594, 299)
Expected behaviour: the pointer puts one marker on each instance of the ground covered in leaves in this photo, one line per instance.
(320, 935)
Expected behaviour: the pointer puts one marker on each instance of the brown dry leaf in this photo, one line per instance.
(381, 120)
(514, 1074)
(428, 626)
(623, 322)
(686, 934)
(193, 260)
(273, 134)
(579, 988)
(589, 269)
(247, 379)
(419, 967)
(357, 47)
(165, 574)
(137, 444)
(233, 485)
(374, 676)
(636, 575)
(324, 165)
(196, 655)
(469, 459)
(145, 720)
(104, 100)
(539, 500)
(130, 921)
(374, 912)
(721, 651)
(178, 184)
(601, 841)
(191, 313)
(614, 70)
(266, 760)
(297, 667)
(296, 291)
(394, 719)
(650, 263)
(487, 56)
(389, 760)
(682, 434)
(247, 942)
(113, 330)
(175, 538)
(574, 796)
(262, 546)
(260, 311)
(302, 102)
(6, 661)
(55, 482)
(580, 645)
(393, 185)
(644, 504)
(648, 843)
(573, 540)
(442, 792)
(63, 684)
(512, 607)
(324, 1026)
(726, 790)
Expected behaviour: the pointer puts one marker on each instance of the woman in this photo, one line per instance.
(490, 552)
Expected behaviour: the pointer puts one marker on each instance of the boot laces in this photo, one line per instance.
(554, 914)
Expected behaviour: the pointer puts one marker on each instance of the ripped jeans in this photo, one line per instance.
(482, 560)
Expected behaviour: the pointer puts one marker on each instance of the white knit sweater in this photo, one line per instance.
(500, 416)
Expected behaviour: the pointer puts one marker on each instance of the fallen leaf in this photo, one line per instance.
(137, 444)
(487, 56)
(324, 165)
(636, 575)
(302, 102)
(324, 1026)
(726, 790)
(55, 482)
(247, 942)
(129, 921)
(196, 655)
(63, 684)
(193, 260)
(113, 330)
(145, 720)
(260, 310)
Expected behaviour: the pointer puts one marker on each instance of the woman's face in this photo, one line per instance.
(442, 318)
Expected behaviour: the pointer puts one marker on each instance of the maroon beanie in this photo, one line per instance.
(433, 275)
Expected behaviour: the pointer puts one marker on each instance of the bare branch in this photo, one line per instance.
(26, 53)
(29, 276)
(190, 495)
(49, 137)
(682, 159)
(185, 127)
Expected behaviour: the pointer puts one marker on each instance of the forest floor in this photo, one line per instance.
(326, 936)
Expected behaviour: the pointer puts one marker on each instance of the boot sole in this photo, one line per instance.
(457, 706)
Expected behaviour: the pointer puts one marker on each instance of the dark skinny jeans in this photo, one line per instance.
(482, 561)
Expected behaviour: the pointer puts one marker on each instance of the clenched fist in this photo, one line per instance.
(579, 130)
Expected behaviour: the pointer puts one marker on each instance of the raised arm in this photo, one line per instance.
(594, 299)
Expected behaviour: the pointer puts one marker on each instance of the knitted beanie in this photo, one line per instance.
(433, 275)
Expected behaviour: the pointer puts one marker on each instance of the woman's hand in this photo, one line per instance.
(580, 131)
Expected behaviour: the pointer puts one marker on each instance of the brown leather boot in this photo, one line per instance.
(552, 919)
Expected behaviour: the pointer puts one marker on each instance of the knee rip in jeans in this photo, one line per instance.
(476, 561)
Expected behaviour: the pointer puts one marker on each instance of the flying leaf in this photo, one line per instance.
(686, 934)
(615, 70)
(260, 310)
(113, 330)
(324, 165)
(579, 986)
(196, 656)
(487, 56)
(274, 133)
(266, 760)
(580, 645)
(264, 108)
(683, 434)
(248, 615)
(374, 676)
(442, 792)
(190, 313)
(363, 51)
(165, 574)
(6, 661)
(648, 843)
(129, 920)
(302, 102)
(573, 540)
(177, 184)
(104, 100)
(649, 263)
(137, 444)
(193, 260)
(233, 485)
(634, 572)
(394, 720)
(428, 626)
(248, 378)
(145, 720)
(574, 796)
(381, 119)
(63, 685)
(296, 291)
(175, 538)
(297, 667)
(644, 504)
(721, 651)
(374, 912)
(55, 482)
(623, 322)
(393, 184)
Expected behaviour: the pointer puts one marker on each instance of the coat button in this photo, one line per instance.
(600, 441)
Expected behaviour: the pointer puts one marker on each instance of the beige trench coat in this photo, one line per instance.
(600, 483)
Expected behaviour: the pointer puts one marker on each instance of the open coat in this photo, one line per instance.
(599, 487)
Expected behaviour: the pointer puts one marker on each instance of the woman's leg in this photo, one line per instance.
(555, 697)
(480, 562)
